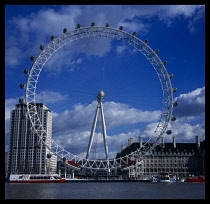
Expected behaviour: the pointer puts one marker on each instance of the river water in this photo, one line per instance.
(113, 190)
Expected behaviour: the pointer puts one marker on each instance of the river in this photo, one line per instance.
(112, 190)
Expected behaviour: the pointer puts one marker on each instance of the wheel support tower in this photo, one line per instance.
(99, 106)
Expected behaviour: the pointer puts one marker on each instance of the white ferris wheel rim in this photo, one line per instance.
(93, 31)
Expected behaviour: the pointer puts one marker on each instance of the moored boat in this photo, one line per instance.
(35, 178)
(163, 178)
(180, 180)
(195, 179)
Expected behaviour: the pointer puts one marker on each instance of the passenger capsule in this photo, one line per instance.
(22, 86)
(21, 100)
(49, 156)
(175, 104)
(65, 30)
(173, 118)
(174, 90)
(32, 58)
(41, 47)
(168, 132)
(146, 41)
(25, 71)
(107, 25)
(171, 76)
(156, 51)
(165, 63)
(92, 24)
(52, 37)
(78, 26)
(121, 28)
(134, 34)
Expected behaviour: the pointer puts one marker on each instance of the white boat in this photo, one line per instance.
(75, 179)
(180, 180)
(164, 178)
(173, 178)
(35, 178)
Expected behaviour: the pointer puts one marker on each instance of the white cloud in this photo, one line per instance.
(149, 130)
(115, 141)
(192, 23)
(191, 104)
(31, 31)
(190, 112)
(168, 13)
(77, 143)
(47, 97)
(71, 129)
(176, 10)
(121, 114)
(68, 57)
(35, 29)
(116, 114)
(120, 49)
(73, 65)
(182, 131)
(9, 106)
(49, 21)
(13, 54)
(185, 132)
(140, 28)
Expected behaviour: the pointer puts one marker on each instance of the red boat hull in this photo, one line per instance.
(195, 180)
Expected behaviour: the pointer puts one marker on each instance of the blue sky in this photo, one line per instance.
(71, 79)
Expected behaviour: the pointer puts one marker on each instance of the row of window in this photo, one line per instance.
(163, 165)
(31, 138)
(16, 170)
(25, 126)
(29, 159)
(24, 154)
(167, 159)
(183, 169)
(174, 153)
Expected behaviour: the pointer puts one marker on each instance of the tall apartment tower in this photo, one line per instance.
(26, 155)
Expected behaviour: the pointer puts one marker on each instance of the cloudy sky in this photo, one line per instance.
(71, 79)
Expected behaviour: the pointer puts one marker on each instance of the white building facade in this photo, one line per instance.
(26, 155)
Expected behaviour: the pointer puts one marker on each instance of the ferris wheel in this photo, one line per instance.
(131, 40)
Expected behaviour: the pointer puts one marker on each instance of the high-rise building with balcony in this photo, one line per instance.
(26, 154)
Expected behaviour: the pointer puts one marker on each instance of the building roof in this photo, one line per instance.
(37, 104)
(167, 149)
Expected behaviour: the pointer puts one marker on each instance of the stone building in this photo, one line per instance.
(180, 159)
